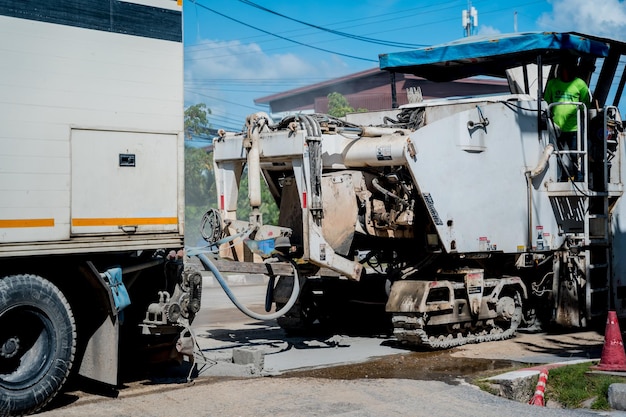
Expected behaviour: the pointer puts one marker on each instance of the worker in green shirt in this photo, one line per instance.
(567, 87)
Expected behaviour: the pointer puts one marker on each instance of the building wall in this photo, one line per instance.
(373, 92)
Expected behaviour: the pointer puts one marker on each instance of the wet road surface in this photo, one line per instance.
(320, 360)
(428, 366)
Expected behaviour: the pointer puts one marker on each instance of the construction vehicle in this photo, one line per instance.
(91, 194)
(449, 215)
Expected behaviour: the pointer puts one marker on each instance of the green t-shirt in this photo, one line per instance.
(576, 90)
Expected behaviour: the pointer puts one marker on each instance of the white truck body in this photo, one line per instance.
(91, 192)
(75, 102)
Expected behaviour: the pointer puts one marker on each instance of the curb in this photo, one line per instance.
(516, 385)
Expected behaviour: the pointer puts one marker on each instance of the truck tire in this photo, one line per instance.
(37, 343)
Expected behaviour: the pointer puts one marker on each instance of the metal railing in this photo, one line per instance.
(578, 155)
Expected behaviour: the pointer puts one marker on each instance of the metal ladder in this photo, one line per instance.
(582, 209)
(596, 236)
(597, 231)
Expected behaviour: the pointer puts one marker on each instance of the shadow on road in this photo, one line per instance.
(564, 347)
(269, 333)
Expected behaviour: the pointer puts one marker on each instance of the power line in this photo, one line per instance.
(218, 99)
(220, 119)
(336, 32)
(202, 46)
(269, 82)
(405, 14)
(227, 123)
(225, 119)
(228, 90)
(282, 37)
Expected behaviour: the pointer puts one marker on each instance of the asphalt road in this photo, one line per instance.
(313, 397)
(220, 327)
(376, 377)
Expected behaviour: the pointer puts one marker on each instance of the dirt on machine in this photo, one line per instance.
(449, 217)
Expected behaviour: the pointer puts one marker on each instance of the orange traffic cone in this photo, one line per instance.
(538, 398)
(613, 357)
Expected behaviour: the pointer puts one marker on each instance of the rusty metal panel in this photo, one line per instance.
(340, 211)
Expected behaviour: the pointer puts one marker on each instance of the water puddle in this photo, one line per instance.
(438, 366)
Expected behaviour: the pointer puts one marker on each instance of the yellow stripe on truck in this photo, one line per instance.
(16, 223)
(125, 221)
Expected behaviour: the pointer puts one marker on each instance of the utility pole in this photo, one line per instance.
(469, 18)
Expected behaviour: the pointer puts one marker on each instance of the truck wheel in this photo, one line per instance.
(37, 343)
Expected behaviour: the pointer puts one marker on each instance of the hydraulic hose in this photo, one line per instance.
(388, 193)
(290, 303)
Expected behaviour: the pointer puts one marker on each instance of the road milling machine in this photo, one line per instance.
(450, 213)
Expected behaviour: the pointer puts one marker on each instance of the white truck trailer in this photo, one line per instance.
(91, 191)
(450, 214)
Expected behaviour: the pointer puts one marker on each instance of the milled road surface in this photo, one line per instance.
(315, 397)
(374, 376)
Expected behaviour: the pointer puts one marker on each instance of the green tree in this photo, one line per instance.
(197, 120)
(199, 177)
(269, 209)
(338, 105)
(200, 188)
(200, 192)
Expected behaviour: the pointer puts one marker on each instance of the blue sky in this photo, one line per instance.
(235, 51)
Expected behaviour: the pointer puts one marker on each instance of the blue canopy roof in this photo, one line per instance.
(491, 55)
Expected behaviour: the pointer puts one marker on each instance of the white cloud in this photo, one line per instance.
(215, 69)
(211, 60)
(487, 30)
(234, 60)
(595, 17)
(335, 67)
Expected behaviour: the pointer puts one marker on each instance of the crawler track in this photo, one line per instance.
(411, 329)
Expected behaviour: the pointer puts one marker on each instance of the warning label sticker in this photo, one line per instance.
(383, 153)
(430, 204)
